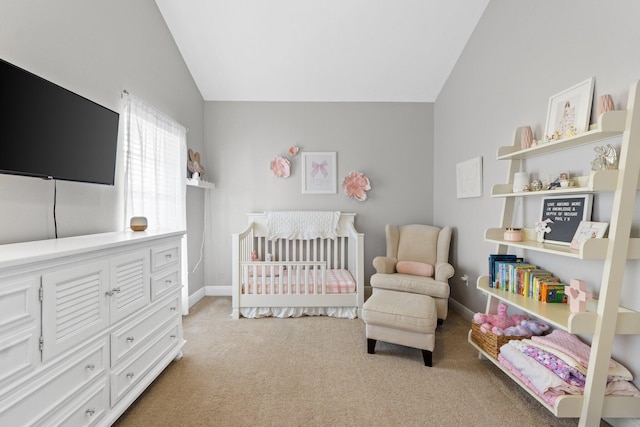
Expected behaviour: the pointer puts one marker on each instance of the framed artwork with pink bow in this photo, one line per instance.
(319, 172)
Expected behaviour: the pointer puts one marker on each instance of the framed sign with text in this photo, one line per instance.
(563, 215)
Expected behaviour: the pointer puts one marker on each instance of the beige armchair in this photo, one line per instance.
(421, 253)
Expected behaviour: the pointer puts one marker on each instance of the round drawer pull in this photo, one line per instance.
(173, 336)
(130, 339)
(168, 282)
(90, 367)
(90, 412)
(168, 256)
(130, 375)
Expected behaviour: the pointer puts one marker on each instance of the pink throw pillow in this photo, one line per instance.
(415, 268)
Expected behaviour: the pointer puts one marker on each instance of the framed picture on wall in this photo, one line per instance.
(319, 172)
(469, 178)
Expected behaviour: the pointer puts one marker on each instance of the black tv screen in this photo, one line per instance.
(50, 132)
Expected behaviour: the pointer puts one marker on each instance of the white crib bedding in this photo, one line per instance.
(283, 312)
(338, 281)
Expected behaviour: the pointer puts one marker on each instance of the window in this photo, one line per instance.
(155, 166)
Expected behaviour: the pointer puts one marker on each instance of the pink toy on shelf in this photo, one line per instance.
(254, 256)
(501, 320)
(578, 296)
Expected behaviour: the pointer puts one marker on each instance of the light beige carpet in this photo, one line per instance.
(315, 371)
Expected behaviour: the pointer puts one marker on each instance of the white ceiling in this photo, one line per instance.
(321, 50)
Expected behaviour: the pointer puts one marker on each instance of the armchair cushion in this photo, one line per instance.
(410, 283)
(415, 268)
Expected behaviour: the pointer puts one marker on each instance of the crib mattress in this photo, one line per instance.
(339, 281)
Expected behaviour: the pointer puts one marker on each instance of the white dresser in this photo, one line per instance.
(86, 324)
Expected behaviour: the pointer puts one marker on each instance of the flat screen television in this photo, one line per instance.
(50, 132)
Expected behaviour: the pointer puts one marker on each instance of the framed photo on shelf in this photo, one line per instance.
(319, 173)
(563, 215)
(588, 230)
(569, 111)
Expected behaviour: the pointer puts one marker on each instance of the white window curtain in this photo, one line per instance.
(155, 172)
(155, 166)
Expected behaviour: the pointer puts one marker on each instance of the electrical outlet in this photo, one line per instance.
(465, 279)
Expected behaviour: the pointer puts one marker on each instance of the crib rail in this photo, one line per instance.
(286, 278)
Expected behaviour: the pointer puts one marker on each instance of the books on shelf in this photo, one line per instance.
(509, 273)
(493, 267)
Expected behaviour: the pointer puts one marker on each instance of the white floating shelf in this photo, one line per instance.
(200, 183)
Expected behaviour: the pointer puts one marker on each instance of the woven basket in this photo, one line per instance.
(490, 342)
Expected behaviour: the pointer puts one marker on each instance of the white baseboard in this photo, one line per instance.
(196, 296)
(461, 310)
(207, 291)
(218, 291)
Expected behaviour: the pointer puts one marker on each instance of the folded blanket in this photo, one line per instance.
(550, 398)
(516, 363)
(567, 343)
(572, 346)
(542, 379)
(567, 373)
(302, 224)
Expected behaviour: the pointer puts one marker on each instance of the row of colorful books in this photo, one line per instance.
(510, 273)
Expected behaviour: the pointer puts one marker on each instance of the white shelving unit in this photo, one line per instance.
(200, 183)
(603, 318)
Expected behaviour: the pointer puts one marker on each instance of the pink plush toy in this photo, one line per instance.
(500, 320)
(526, 328)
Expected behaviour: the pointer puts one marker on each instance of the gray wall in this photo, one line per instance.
(392, 143)
(95, 48)
(520, 54)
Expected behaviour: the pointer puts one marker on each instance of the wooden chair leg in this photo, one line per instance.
(371, 346)
(426, 355)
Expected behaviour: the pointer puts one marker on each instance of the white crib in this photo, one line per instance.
(319, 276)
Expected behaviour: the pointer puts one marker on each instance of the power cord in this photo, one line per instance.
(55, 198)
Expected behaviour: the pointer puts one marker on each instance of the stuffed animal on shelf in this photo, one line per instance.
(526, 328)
(500, 320)
(194, 164)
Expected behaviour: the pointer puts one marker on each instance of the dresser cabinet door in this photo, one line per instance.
(74, 306)
(129, 290)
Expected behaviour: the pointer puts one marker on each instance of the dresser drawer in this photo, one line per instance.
(85, 410)
(35, 399)
(133, 336)
(164, 255)
(126, 377)
(163, 283)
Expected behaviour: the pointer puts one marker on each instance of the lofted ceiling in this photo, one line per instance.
(321, 50)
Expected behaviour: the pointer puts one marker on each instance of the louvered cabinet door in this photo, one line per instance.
(74, 306)
(130, 284)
